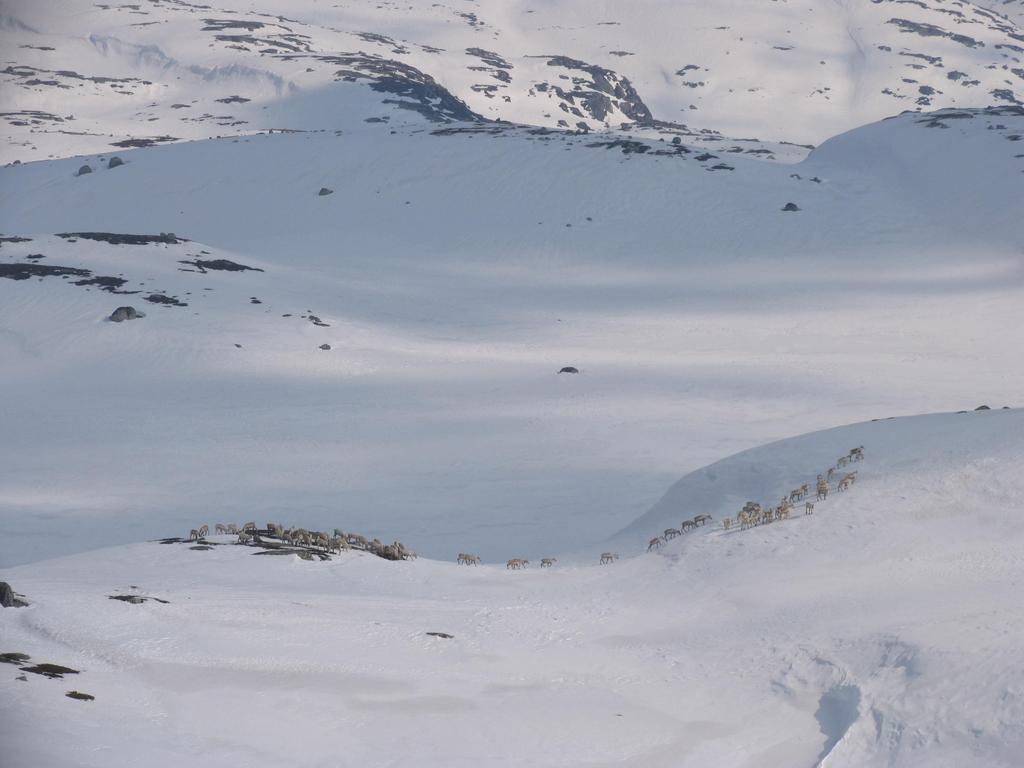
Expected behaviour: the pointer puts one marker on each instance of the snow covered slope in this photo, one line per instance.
(453, 275)
(883, 630)
(83, 77)
(1011, 9)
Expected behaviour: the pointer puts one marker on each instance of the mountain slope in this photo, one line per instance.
(883, 630)
(704, 318)
(82, 77)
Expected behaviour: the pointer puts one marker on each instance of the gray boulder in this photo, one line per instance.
(791, 207)
(125, 313)
(325, 347)
(570, 369)
(7, 598)
(83, 170)
(325, 191)
(114, 162)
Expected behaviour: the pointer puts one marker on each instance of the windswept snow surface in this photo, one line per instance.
(883, 630)
(456, 274)
(367, 236)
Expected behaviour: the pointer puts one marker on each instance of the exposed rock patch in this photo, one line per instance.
(121, 314)
(167, 238)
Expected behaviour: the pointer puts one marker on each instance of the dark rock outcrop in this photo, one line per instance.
(114, 162)
(117, 238)
(570, 369)
(125, 313)
(7, 597)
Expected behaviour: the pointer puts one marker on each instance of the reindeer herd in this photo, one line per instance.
(250, 533)
(752, 514)
(671, 533)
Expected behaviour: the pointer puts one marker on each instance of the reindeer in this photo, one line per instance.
(220, 528)
(831, 472)
(687, 525)
(727, 523)
(822, 490)
(671, 533)
(250, 526)
(843, 461)
(516, 564)
(744, 519)
(655, 543)
(857, 454)
(356, 540)
(340, 533)
(232, 528)
(808, 507)
(470, 559)
(608, 557)
(204, 531)
(193, 535)
(244, 538)
(547, 562)
(701, 519)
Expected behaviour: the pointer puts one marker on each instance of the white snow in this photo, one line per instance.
(882, 630)
(797, 71)
(704, 319)
(456, 266)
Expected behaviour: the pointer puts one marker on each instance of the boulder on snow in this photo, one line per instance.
(325, 191)
(114, 162)
(7, 598)
(125, 313)
(983, 408)
(569, 369)
(325, 347)
(791, 207)
(83, 170)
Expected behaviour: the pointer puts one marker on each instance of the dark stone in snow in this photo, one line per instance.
(83, 170)
(325, 191)
(325, 347)
(983, 408)
(444, 635)
(7, 598)
(791, 207)
(114, 162)
(569, 369)
(125, 313)
(219, 265)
